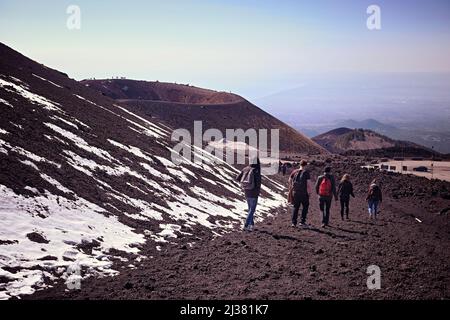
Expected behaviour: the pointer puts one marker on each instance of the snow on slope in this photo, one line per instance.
(79, 170)
(67, 223)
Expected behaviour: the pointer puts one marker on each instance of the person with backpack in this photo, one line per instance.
(345, 190)
(326, 189)
(374, 198)
(250, 180)
(299, 191)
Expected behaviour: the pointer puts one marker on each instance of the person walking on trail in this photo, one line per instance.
(345, 190)
(250, 180)
(374, 198)
(326, 189)
(299, 191)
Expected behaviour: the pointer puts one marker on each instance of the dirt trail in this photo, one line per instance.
(280, 262)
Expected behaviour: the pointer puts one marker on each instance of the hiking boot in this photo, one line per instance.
(293, 225)
(323, 225)
(251, 228)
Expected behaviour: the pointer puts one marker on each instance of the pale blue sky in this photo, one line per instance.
(253, 47)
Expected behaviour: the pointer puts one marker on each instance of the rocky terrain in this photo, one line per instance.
(409, 242)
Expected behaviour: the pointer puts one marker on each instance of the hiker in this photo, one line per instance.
(345, 190)
(374, 198)
(299, 191)
(326, 189)
(284, 169)
(250, 179)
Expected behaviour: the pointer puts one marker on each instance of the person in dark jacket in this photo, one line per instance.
(251, 194)
(374, 198)
(345, 190)
(300, 188)
(326, 189)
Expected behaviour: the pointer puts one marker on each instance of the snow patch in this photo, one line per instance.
(68, 224)
(65, 121)
(29, 163)
(80, 142)
(43, 79)
(154, 128)
(16, 125)
(6, 103)
(27, 154)
(32, 97)
(155, 172)
(133, 150)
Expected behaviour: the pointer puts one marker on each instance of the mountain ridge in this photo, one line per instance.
(217, 110)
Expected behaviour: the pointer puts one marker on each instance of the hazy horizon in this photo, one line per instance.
(251, 48)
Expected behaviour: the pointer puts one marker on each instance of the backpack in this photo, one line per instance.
(374, 192)
(325, 187)
(297, 182)
(248, 179)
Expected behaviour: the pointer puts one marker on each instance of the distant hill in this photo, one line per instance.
(370, 124)
(439, 140)
(181, 105)
(362, 141)
(416, 104)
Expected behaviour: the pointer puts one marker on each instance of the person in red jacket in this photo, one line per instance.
(326, 189)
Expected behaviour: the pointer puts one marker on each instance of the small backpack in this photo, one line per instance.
(374, 192)
(297, 184)
(248, 179)
(325, 187)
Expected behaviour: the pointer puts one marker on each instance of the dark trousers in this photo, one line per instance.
(300, 201)
(345, 203)
(325, 205)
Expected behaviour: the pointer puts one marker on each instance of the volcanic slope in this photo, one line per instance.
(86, 182)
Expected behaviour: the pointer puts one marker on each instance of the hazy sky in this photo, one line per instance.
(253, 48)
